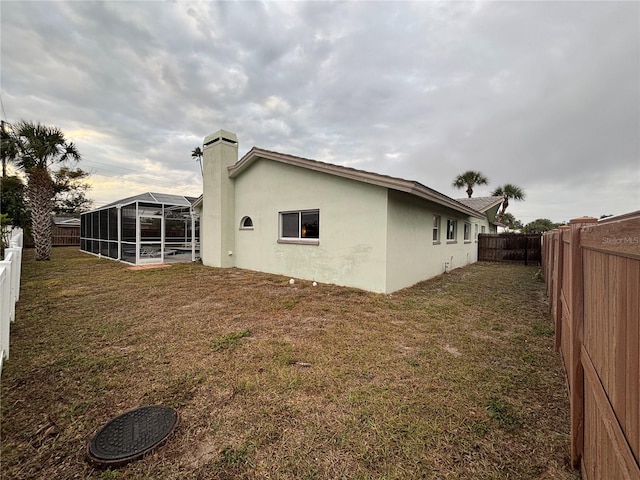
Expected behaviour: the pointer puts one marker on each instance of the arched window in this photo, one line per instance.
(246, 223)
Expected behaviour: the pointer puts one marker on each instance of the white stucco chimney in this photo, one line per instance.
(217, 223)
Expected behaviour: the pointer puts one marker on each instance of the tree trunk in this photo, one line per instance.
(505, 204)
(40, 195)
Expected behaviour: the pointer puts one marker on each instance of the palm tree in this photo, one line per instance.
(470, 179)
(39, 147)
(8, 149)
(508, 192)
(197, 154)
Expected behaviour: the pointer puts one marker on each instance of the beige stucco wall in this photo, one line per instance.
(412, 255)
(352, 245)
(217, 217)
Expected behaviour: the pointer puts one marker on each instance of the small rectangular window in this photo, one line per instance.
(436, 228)
(451, 230)
(475, 232)
(482, 229)
(467, 232)
(301, 225)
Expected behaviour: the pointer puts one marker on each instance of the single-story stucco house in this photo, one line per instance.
(306, 219)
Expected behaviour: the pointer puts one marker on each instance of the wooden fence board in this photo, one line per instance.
(632, 336)
(557, 267)
(611, 444)
(611, 334)
(510, 247)
(595, 276)
(60, 237)
(617, 385)
(619, 238)
(575, 273)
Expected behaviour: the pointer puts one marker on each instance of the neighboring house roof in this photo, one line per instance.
(394, 183)
(66, 221)
(152, 197)
(481, 204)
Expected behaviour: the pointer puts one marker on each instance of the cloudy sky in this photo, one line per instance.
(545, 95)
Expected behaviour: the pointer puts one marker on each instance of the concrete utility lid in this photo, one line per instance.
(131, 435)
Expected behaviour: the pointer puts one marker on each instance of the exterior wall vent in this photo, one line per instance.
(221, 139)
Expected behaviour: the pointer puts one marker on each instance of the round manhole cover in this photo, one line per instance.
(132, 434)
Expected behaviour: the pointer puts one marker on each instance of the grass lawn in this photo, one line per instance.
(455, 377)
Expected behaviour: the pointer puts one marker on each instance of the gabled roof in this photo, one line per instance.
(394, 183)
(66, 221)
(481, 204)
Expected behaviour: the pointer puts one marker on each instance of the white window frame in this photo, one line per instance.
(299, 239)
(475, 232)
(467, 232)
(437, 221)
(454, 234)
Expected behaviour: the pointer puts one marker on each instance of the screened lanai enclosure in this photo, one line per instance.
(150, 228)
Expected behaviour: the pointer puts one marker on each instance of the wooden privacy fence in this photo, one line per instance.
(510, 247)
(592, 271)
(60, 237)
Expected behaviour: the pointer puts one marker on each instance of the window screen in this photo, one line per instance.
(290, 225)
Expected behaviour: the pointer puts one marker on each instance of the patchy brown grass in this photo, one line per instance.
(454, 378)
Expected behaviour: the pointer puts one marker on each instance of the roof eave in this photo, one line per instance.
(441, 199)
(489, 207)
(399, 184)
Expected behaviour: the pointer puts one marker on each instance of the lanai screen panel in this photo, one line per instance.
(178, 228)
(99, 232)
(128, 225)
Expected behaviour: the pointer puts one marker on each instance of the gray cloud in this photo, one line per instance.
(544, 95)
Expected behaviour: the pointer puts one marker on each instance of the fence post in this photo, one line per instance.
(16, 272)
(8, 294)
(4, 315)
(576, 303)
(17, 237)
(7, 304)
(558, 272)
(548, 259)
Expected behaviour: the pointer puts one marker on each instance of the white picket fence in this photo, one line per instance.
(10, 269)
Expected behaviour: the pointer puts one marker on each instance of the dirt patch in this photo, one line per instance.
(148, 267)
(452, 350)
